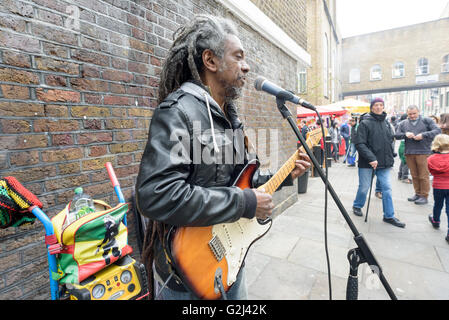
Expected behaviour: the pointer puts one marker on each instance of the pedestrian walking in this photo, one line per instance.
(345, 132)
(404, 172)
(418, 133)
(438, 165)
(352, 151)
(375, 147)
(334, 132)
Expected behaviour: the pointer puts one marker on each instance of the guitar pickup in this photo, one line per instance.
(217, 248)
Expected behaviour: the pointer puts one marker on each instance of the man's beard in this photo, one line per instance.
(232, 93)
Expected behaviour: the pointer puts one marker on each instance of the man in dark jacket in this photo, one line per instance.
(196, 145)
(375, 147)
(418, 133)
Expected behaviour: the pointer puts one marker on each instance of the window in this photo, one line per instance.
(422, 67)
(354, 75)
(398, 70)
(302, 81)
(376, 73)
(447, 99)
(445, 65)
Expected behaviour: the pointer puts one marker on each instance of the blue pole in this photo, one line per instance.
(52, 264)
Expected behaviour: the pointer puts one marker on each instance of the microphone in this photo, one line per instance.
(262, 84)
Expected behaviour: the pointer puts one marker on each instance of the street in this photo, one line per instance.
(289, 263)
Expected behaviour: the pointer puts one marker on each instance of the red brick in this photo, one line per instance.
(90, 71)
(92, 98)
(56, 81)
(86, 138)
(89, 85)
(14, 75)
(122, 136)
(15, 92)
(92, 124)
(20, 109)
(97, 151)
(17, 142)
(52, 110)
(16, 59)
(55, 50)
(88, 111)
(118, 100)
(58, 35)
(69, 168)
(62, 140)
(12, 22)
(25, 158)
(57, 95)
(62, 155)
(90, 57)
(115, 75)
(96, 164)
(66, 182)
(119, 124)
(33, 174)
(19, 42)
(47, 125)
(49, 64)
(14, 126)
(124, 147)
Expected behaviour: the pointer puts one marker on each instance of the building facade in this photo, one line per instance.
(407, 65)
(323, 84)
(78, 87)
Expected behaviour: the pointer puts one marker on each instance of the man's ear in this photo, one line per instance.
(210, 60)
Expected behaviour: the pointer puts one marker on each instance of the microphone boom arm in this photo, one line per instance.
(364, 250)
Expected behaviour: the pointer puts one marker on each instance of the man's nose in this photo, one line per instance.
(245, 67)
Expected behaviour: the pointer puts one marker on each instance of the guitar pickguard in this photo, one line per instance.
(236, 238)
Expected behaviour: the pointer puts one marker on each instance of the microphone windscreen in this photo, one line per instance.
(259, 82)
(21, 195)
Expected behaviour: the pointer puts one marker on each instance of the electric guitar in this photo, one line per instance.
(203, 255)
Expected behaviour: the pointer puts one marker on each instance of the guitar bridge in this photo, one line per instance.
(217, 248)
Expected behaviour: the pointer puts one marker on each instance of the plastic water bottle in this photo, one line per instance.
(81, 205)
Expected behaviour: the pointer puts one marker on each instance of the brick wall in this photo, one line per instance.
(290, 16)
(77, 89)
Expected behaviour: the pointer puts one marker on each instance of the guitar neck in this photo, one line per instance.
(271, 185)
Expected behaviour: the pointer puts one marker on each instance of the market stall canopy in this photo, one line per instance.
(353, 105)
(323, 110)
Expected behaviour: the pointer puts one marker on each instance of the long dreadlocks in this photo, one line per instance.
(184, 62)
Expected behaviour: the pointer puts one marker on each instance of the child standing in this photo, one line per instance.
(438, 165)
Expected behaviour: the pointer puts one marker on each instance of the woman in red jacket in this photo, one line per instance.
(438, 165)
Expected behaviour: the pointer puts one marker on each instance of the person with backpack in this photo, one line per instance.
(418, 133)
(374, 144)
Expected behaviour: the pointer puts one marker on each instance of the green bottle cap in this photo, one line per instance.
(79, 190)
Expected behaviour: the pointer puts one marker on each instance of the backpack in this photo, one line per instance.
(90, 243)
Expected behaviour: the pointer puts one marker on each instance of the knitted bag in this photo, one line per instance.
(15, 200)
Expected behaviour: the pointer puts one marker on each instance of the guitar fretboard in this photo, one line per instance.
(271, 185)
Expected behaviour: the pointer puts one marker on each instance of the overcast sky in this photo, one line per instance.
(356, 17)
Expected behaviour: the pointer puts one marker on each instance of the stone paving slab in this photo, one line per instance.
(290, 263)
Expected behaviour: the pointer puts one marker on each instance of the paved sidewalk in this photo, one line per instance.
(290, 263)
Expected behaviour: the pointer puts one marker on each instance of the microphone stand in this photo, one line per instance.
(356, 256)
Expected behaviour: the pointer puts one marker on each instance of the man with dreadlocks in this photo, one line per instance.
(183, 180)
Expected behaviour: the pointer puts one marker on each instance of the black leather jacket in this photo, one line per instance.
(374, 141)
(185, 182)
